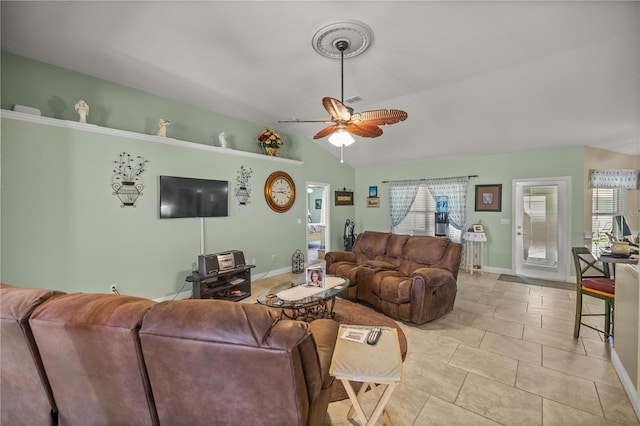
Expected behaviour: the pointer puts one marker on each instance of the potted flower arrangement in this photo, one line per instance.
(243, 192)
(270, 141)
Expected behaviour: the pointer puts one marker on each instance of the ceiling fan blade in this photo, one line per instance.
(366, 130)
(305, 121)
(380, 117)
(326, 131)
(338, 111)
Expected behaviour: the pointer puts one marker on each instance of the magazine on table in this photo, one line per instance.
(354, 334)
(315, 276)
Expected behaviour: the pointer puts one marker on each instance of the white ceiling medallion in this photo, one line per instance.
(358, 35)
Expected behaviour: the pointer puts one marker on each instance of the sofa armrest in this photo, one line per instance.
(325, 333)
(433, 294)
(339, 256)
(431, 277)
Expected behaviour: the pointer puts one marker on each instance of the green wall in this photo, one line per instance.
(495, 169)
(62, 227)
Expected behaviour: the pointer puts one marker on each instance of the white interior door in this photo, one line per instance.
(542, 228)
(318, 217)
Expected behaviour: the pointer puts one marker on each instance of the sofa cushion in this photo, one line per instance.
(421, 251)
(237, 362)
(395, 249)
(91, 351)
(369, 245)
(25, 394)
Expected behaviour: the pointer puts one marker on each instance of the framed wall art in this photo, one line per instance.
(373, 191)
(489, 198)
(344, 198)
(373, 201)
(318, 203)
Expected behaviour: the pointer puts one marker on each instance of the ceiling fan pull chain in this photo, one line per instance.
(342, 153)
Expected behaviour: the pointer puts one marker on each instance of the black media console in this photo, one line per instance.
(222, 276)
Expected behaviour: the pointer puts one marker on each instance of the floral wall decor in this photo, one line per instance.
(270, 140)
(243, 186)
(126, 179)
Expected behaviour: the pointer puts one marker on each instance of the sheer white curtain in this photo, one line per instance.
(401, 196)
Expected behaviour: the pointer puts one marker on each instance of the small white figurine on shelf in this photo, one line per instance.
(83, 109)
(162, 129)
(223, 141)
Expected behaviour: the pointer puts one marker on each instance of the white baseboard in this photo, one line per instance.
(187, 294)
(497, 270)
(177, 296)
(627, 384)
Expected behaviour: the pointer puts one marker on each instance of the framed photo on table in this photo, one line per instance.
(315, 276)
(477, 228)
(489, 198)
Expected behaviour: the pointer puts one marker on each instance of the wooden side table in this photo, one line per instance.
(373, 365)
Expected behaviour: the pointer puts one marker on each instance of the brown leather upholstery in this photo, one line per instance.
(219, 362)
(25, 394)
(90, 349)
(200, 362)
(412, 278)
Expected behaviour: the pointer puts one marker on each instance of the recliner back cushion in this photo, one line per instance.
(26, 397)
(215, 361)
(369, 245)
(90, 349)
(422, 251)
(394, 252)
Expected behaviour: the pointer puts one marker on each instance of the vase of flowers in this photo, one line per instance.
(270, 141)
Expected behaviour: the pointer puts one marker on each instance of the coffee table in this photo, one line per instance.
(297, 298)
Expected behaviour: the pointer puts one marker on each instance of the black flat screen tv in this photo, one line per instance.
(190, 197)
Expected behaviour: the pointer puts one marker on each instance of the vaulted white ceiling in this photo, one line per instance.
(475, 77)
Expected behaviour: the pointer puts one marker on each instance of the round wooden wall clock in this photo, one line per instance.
(280, 191)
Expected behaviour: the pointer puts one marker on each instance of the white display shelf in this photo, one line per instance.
(93, 128)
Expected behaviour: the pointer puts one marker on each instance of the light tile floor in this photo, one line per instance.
(505, 355)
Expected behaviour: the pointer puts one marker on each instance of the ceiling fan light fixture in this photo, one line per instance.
(341, 138)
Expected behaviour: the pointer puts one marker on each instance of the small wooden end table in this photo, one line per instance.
(373, 365)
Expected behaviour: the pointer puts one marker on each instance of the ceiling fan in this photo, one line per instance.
(344, 121)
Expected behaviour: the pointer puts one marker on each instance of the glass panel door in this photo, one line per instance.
(540, 213)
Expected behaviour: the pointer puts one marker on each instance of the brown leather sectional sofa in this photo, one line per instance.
(411, 278)
(101, 359)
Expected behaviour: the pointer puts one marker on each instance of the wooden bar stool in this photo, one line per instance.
(593, 279)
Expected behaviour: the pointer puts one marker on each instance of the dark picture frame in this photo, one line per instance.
(373, 191)
(318, 203)
(344, 198)
(489, 198)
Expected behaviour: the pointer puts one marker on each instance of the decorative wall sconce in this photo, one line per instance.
(243, 187)
(127, 183)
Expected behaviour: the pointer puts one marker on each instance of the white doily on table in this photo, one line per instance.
(301, 291)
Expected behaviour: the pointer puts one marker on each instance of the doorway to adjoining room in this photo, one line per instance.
(318, 219)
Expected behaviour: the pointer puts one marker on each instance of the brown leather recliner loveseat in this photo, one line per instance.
(411, 278)
(103, 359)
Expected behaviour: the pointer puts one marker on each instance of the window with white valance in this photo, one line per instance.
(608, 199)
